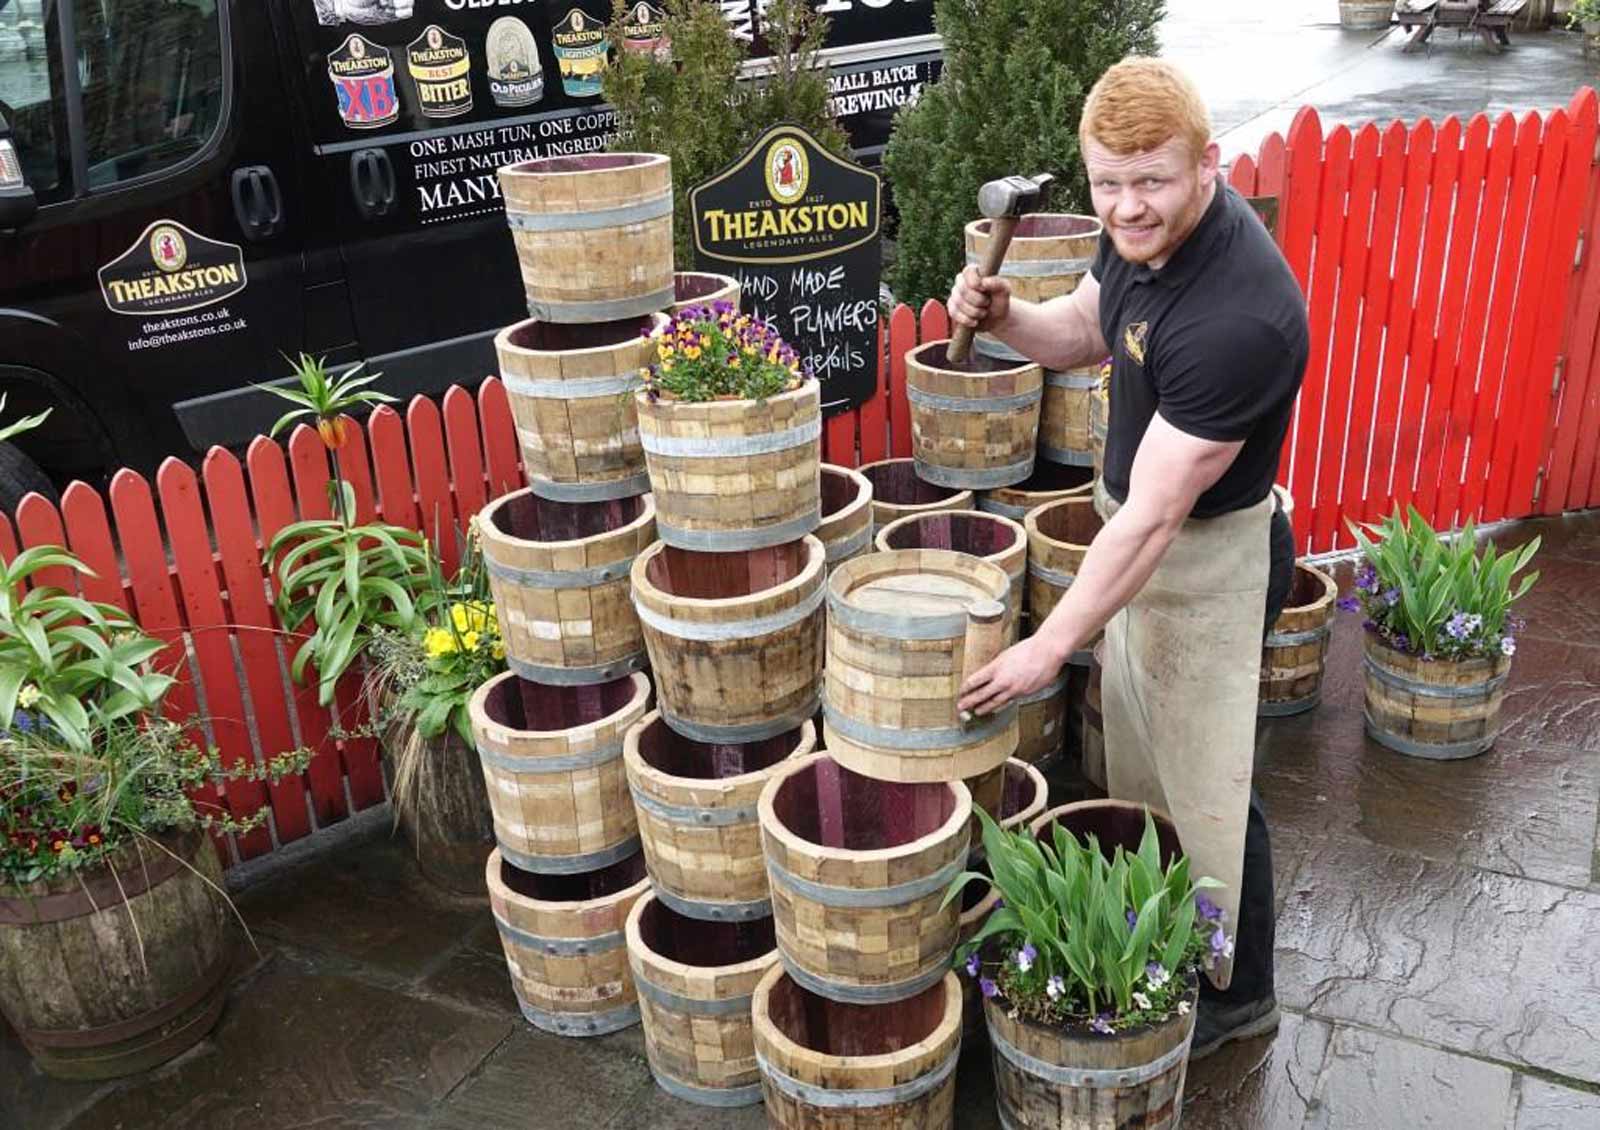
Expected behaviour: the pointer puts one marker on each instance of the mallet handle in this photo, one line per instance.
(1000, 232)
(985, 639)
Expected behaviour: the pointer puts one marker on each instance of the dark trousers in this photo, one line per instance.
(1256, 929)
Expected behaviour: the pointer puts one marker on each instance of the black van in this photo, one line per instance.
(190, 189)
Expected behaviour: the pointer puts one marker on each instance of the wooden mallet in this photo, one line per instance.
(1003, 202)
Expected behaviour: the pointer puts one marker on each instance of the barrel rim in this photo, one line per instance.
(1041, 793)
(845, 573)
(945, 1035)
(1049, 815)
(727, 282)
(913, 363)
(572, 907)
(114, 882)
(1330, 590)
(503, 343)
(638, 951)
(526, 169)
(480, 697)
(955, 826)
(975, 229)
(492, 535)
(665, 604)
(1032, 522)
(954, 502)
(1418, 669)
(663, 407)
(662, 781)
(881, 540)
(975, 916)
(846, 514)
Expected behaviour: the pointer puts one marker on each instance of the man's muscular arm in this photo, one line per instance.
(1063, 333)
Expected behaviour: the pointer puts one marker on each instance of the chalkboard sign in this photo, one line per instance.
(799, 228)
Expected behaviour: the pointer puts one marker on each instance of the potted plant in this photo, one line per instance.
(1585, 15)
(1088, 967)
(730, 423)
(113, 922)
(423, 679)
(1439, 634)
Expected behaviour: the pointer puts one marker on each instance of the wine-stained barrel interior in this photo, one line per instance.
(897, 491)
(846, 529)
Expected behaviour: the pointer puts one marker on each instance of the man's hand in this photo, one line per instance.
(982, 303)
(1018, 671)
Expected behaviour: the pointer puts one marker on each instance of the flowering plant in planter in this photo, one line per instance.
(1079, 939)
(1425, 597)
(716, 353)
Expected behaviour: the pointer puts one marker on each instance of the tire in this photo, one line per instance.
(19, 476)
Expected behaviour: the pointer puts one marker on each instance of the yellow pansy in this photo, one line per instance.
(470, 641)
(498, 650)
(437, 642)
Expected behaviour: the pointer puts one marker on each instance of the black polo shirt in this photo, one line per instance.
(1216, 341)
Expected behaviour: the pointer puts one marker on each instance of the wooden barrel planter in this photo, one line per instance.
(565, 945)
(703, 288)
(552, 758)
(1099, 422)
(593, 234)
(905, 629)
(695, 981)
(442, 807)
(1365, 15)
(734, 474)
(858, 869)
(735, 639)
(857, 1067)
(1440, 709)
(1064, 434)
(1023, 795)
(1059, 534)
(1114, 823)
(846, 529)
(696, 803)
(76, 990)
(989, 536)
(570, 388)
(1094, 725)
(897, 491)
(973, 426)
(1296, 651)
(559, 572)
(1048, 483)
(1050, 252)
(1042, 722)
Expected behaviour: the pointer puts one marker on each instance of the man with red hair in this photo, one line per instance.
(1206, 329)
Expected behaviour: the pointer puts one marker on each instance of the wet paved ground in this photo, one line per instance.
(1437, 960)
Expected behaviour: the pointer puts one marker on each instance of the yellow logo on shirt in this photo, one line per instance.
(1133, 341)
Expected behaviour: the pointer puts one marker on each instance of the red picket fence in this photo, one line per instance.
(1455, 366)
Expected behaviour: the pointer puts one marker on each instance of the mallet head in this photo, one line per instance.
(1014, 196)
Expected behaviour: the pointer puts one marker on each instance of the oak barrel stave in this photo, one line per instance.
(974, 426)
(1042, 722)
(846, 529)
(1295, 654)
(1059, 534)
(991, 537)
(443, 808)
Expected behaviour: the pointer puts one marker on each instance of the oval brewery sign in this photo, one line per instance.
(169, 269)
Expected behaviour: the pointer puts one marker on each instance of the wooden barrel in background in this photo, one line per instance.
(1094, 725)
(565, 946)
(1042, 723)
(734, 474)
(978, 900)
(559, 573)
(897, 491)
(1064, 431)
(975, 426)
(857, 1067)
(1296, 650)
(898, 649)
(593, 234)
(846, 529)
(703, 288)
(854, 862)
(442, 806)
(570, 389)
(696, 804)
(1099, 421)
(118, 967)
(989, 536)
(735, 639)
(695, 981)
(1439, 709)
(1049, 482)
(1059, 534)
(552, 758)
(1049, 254)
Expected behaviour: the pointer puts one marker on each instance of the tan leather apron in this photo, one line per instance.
(1180, 681)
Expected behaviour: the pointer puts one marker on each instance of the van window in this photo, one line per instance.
(152, 83)
(31, 100)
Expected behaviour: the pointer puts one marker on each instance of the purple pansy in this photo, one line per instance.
(1207, 909)
(1349, 604)
(1102, 1024)
(1367, 577)
(972, 965)
(988, 987)
(1026, 956)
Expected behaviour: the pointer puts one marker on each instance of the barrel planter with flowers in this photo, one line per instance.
(731, 429)
(1439, 635)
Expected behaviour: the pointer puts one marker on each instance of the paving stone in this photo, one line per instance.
(1546, 1106)
(1565, 603)
(537, 1081)
(1489, 964)
(30, 1098)
(1553, 694)
(476, 975)
(1575, 535)
(652, 1107)
(1265, 1083)
(308, 1050)
(1371, 1081)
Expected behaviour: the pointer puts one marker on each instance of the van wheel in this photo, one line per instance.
(19, 476)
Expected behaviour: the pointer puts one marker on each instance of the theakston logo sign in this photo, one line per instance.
(170, 269)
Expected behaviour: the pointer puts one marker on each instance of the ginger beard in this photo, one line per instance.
(1151, 200)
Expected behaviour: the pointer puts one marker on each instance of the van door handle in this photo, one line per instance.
(257, 202)
(372, 182)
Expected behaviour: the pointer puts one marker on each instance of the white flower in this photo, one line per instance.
(1026, 956)
(1055, 987)
(1508, 646)
(27, 696)
(1142, 1001)
(1183, 1008)
(1156, 974)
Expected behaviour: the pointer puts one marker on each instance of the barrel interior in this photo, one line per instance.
(1072, 521)
(590, 163)
(1306, 589)
(826, 804)
(554, 337)
(599, 884)
(1115, 825)
(961, 530)
(706, 945)
(838, 491)
(527, 517)
(668, 751)
(532, 707)
(1050, 225)
(1021, 790)
(1053, 477)
(831, 1028)
(896, 483)
(719, 576)
(690, 285)
(936, 355)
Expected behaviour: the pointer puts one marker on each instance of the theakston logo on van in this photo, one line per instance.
(362, 74)
(169, 269)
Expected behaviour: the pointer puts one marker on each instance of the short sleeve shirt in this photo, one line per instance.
(1216, 341)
